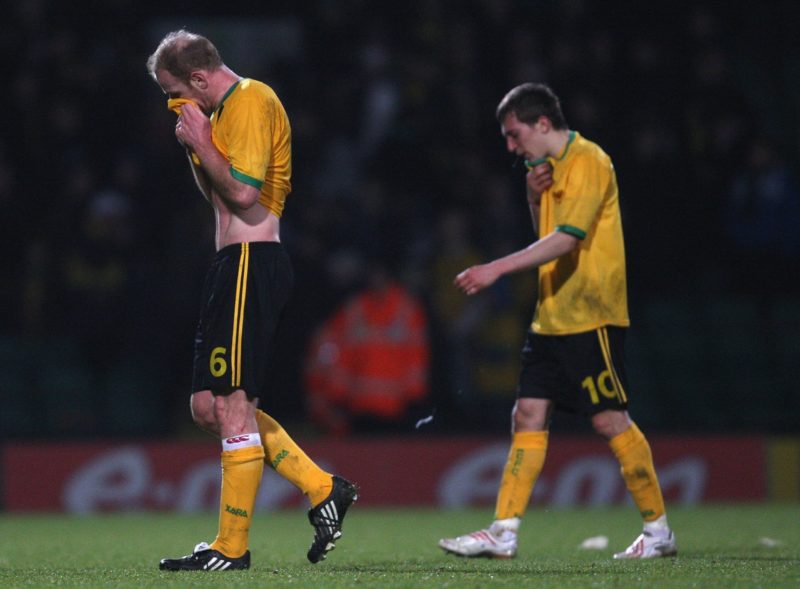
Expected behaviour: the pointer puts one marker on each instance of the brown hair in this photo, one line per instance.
(181, 52)
(529, 102)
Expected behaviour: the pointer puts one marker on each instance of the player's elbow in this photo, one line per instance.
(245, 197)
(246, 203)
(566, 243)
(572, 243)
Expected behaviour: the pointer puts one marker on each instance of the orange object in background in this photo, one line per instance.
(369, 360)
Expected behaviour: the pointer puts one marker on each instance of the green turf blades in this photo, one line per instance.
(720, 546)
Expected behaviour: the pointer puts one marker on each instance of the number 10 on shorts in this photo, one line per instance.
(604, 384)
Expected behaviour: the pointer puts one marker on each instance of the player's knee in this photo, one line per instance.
(529, 415)
(202, 408)
(521, 421)
(603, 429)
(233, 411)
(220, 409)
(610, 424)
(205, 421)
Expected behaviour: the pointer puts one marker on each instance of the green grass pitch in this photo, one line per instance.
(722, 546)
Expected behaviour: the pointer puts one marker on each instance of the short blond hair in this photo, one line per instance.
(182, 52)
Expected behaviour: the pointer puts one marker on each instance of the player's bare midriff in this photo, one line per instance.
(256, 223)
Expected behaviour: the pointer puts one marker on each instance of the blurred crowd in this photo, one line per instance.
(398, 162)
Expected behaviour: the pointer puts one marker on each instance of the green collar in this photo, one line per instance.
(227, 93)
(570, 139)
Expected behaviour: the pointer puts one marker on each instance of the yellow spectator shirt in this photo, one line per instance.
(251, 129)
(585, 289)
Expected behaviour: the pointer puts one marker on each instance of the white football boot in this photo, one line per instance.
(494, 542)
(651, 544)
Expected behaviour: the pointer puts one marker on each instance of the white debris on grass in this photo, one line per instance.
(595, 543)
(769, 542)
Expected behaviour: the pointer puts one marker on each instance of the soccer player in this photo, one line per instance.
(573, 357)
(237, 136)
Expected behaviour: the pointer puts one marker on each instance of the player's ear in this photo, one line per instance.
(544, 124)
(198, 80)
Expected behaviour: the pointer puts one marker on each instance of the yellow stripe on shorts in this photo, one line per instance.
(605, 347)
(238, 316)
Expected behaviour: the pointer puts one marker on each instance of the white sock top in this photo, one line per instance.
(659, 525)
(241, 441)
(511, 524)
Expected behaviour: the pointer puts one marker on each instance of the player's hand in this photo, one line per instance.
(476, 278)
(193, 127)
(539, 179)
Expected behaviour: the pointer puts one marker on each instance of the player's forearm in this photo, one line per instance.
(540, 252)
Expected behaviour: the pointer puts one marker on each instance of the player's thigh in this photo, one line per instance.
(593, 371)
(268, 292)
(216, 339)
(247, 289)
(539, 377)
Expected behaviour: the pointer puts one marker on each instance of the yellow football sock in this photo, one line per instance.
(525, 462)
(241, 476)
(289, 460)
(636, 465)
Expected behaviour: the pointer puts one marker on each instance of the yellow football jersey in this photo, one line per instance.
(586, 288)
(251, 129)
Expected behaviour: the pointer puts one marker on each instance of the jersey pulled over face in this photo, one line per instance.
(251, 129)
(586, 288)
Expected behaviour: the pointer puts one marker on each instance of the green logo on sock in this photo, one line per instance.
(236, 511)
(518, 456)
(281, 455)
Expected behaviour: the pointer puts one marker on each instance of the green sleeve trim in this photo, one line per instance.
(246, 179)
(570, 230)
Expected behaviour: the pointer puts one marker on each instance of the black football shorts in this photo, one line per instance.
(244, 293)
(581, 373)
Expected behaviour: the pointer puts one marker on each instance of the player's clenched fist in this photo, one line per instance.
(193, 127)
(539, 179)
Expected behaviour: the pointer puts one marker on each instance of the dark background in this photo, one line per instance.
(397, 157)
